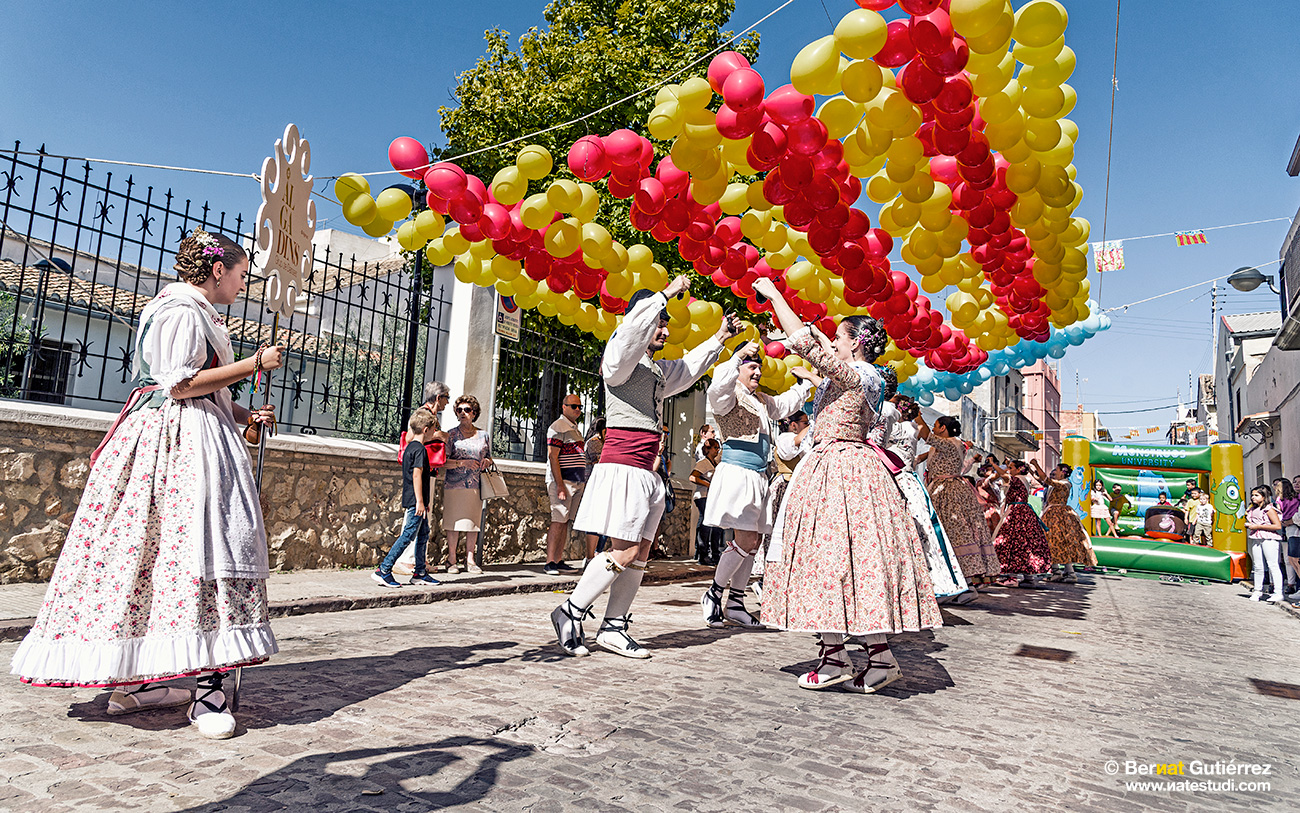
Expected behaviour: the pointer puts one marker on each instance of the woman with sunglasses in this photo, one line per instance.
(467, 456)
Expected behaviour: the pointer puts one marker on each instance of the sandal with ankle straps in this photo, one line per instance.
(887, 672)
(815, 680)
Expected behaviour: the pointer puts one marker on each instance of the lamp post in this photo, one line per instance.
(38, 316)
(1247, 279)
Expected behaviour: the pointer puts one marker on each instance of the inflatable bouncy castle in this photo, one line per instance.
(1150, 532)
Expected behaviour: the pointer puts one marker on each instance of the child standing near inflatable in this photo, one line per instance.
(1264, 539)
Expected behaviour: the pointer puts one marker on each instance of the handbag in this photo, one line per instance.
(491, 485)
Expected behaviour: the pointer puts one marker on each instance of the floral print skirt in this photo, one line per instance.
(1066, 537)
(963, 520)
(127, 602)
(851, 559)
(1021, 542)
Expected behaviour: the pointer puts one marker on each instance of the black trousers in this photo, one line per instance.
(708, 540)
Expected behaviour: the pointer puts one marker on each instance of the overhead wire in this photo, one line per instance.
(1110, 145)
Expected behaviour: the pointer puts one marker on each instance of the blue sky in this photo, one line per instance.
(1205, 119)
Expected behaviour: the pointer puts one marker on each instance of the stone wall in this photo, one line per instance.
(327, 502)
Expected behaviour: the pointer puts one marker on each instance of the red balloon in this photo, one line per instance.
(850, 191)
(436, 203)
(722, 66)
(475, 187)
(699, 229)
(677, 215)
(756, 162)
(879, 243)
(408, 157)
(966, 197)
(830, 156)
(472, 232)
(651, 196)
(807, 137)
(931, 31)
(796, 171)
(956, 96)
(643, 221)
(799, 212)
(958, 120)
(690, 249)
(943, 168)
(735, 125)
(774, 189)
(445, 180)
(920, 6)
(835, 218)
(674, 180)
(856, 226)
(785, 105)
(728, 230)
(950, 142)
(823, 239)
(898, 49)
(950, 61)
(743, 90)
(770, 142)
(919, 83)
(465, 208)
(623, 147)
(588, 159)
(822, 193)
(875, 5)
(495, 222)
(976, 152)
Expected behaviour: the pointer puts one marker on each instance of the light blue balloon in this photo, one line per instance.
(925, 398)
(983, 373)
(953, 393)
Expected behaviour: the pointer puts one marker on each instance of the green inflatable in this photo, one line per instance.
(1163, 557)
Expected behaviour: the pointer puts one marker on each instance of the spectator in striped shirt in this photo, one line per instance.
(566, 474)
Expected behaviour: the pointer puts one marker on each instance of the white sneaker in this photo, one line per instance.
(1276, 598)
(1256, 596)
(146, 696)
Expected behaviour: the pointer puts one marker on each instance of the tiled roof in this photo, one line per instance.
(127, 305)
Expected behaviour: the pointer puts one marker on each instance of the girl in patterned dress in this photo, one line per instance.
(956, 503)
(1021, 539)
(1067, 539)
(850, 559)
(163, 573)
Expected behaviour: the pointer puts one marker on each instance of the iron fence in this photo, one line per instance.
(82, 253)
(533, 376)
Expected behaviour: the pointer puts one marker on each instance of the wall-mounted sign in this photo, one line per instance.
(286, 221)
(509, 318)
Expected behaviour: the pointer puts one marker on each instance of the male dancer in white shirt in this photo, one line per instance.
(625, 498)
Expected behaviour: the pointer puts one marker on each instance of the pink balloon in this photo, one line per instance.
(898, 49)
(436, 203)
(728, 230)
(465, 208)
(495, 222)
(770, 142)
(472, 232)
(408, 157)
(643, 221)
(476, 188)
(875, 5)
(588, 160)
(620, 188)
(647, 153)
(722, 66)
(919, 6)
(744, 90)
(673, 179)
(445, 180)
(775, 349)
(956, 95)
(785, 105)
(943, 168)
(919, 83)
(623, 147)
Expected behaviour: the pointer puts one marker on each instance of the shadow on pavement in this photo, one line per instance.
(922, 674)
(374, 779)
(1065, 601)
(309, 691)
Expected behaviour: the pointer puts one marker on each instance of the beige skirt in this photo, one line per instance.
(461, 508)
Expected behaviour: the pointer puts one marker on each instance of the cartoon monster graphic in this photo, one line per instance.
(1077, 494)
(1149, 486)
(1228, 504)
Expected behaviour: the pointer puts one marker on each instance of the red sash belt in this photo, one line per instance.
(131, 401)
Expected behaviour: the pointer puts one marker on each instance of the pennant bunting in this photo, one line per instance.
(1151, 430)
(1191, 238)
(1108, 256)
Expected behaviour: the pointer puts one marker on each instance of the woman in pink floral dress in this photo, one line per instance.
(850, 561)
(163, 573)
(1021, 537)
(956, 503)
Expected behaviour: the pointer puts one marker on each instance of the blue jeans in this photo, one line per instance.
(415, 527)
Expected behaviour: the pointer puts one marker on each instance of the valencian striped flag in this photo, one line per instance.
(1108, 256)
(1191, 238)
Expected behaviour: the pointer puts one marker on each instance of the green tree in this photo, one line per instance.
(14, 341)
(593, 53)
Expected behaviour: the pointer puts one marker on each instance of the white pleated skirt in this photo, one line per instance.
(739, 499)
(621, 502)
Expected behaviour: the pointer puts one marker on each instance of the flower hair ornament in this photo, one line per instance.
(208, 245)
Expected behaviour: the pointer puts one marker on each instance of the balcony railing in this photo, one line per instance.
(1015, 421)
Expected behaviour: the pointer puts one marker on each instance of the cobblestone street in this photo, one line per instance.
(1025, 700)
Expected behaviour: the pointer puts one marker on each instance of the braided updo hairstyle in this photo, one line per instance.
(890, 386)
(199, 251)
(869, 334)
(907, 408)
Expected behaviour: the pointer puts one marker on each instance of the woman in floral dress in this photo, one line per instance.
(851, 561)
(989, 494)
(955, 502)
(1067, 539)
(163, 573)
(467, 457)
(1021, 539)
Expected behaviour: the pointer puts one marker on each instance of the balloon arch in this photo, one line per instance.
(969, 159)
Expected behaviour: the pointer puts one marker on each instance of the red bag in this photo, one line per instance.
(436, 449)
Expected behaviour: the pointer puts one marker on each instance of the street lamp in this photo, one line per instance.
(44, 266)
(1247, 279)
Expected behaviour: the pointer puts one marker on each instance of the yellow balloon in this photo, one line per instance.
(688, 155)
(504, 268)
(861, 34)
(409, 237)
(733, 200)
(596, 241)
(436, 253)
(430, 224)
(996, 38)
(564, 195)
(509, 186)
(971, 18)
(800, 274)
(537, 211)
(862, 80)
(1004, 104)
(1040, 22)
(816, 64)
(755, 198)
(1030, 55)
(455, 242)
(483, 249)
(467, 268)
(667, 93)
(524, 285)
(378, 227)
(639, 258)
(840, 115)
(349, 186)
(393, 205)
(666, 120)
(918, 188)
(695, 94)
(360, 210)
(562, 237)
(534, 162)
(588, 205)
(1023, 176)
(701, 129)
(619, 285)
(990, 82)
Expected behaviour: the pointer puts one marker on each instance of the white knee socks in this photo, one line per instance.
(734, 566)
(600, 573)
(624, 590)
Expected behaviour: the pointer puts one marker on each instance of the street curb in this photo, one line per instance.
(15, 628)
